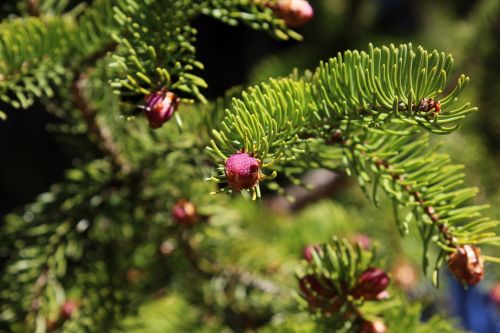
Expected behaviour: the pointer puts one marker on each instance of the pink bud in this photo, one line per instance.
(184, 212)
(242, 171)
(371, 284)
(295, 13)
(362, 240)
(68, 308)
(308, 252)
(160, 107)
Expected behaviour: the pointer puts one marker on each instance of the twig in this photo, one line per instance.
(380, 163)
(32, 7)
(94, 57)
(428, 209)
(102, 134)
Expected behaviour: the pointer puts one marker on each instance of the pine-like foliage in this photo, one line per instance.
(132, 233)
(39, 54)
(363, 114)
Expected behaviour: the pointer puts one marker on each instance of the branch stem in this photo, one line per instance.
(102, 135)
(32, 7)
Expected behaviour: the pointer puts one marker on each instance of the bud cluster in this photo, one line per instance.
(322, 294)
(428, 104)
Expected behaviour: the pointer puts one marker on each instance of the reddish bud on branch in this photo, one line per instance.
(160, 107)
(184, 213)
(242, 171)
(371, 284)
(308, 252)
(68, 309)
(295, 13)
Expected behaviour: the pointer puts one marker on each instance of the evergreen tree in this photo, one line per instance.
(173, 217)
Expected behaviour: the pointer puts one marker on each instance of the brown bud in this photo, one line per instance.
(466, 264)
(376, 326)
(184, 213)
(428, 104)
(336, 137)
(430, 210)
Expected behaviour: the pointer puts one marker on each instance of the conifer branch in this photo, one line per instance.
(37, 54)
(332, 284)
(212, 269)
(257, 14)
(362, 113)
(102, 135)
(52, 228)
(342, 286)
(374, 104)
(148, 61)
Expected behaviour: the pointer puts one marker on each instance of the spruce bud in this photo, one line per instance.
(319, 293)
(242, 171)
(428, 104)
(160, 107)
(295, 13)
(371, 284)
(376, 326)
(362, 240)
(308, 252)
(68, 308)
(466, 264)
(184, 213)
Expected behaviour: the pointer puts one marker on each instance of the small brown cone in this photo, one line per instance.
(466, 264)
